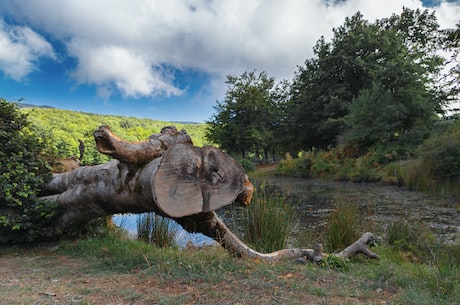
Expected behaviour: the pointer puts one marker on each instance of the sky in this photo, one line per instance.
(165, 60)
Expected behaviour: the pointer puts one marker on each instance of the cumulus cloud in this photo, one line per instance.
(130, 72)
(20, 50)
(123, 45)
(448, 14)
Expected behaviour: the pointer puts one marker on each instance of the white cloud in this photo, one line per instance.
(448, 14)
(122, 44)
(118, 65)
(20, 50)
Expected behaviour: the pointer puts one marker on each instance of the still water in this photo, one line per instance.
(379, 205)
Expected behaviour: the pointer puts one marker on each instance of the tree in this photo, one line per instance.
(396, 56)
(451, 42)
(370, 126)
(169, 176)
(23, 171)
(244, 121)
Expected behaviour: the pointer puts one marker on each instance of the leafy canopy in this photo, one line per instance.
(23, 170)
(245, 121)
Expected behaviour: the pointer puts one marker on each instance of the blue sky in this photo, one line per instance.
(164, 60)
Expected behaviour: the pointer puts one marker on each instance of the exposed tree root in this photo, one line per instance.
(212, 226)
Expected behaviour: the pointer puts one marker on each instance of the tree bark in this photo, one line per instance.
(169, 176)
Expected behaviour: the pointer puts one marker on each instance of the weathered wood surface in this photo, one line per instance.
(192, 180)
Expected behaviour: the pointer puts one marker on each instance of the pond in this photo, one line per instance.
(379, 205)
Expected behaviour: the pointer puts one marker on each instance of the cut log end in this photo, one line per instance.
(193, 180)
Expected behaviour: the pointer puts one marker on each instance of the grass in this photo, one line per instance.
(267, 222)
(342, 227)
(153, 228)
(113, 270)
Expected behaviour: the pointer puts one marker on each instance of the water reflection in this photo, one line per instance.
(128, 222)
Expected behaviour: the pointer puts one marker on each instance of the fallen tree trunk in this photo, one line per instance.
(169, 176)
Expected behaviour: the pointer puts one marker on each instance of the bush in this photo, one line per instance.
(23, 217)
(437, 167)
(442, 152)
(247, 164)
(299, 167)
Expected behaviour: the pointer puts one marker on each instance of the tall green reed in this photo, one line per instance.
(155, 229)
(266, 224)
(342, 227)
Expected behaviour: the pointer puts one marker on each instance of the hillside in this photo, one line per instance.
(63, 129)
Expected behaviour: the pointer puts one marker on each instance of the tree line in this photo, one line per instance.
(373, 83)
(64, 129)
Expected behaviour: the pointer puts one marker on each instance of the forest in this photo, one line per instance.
(65, 128)
(374, 86)
(377, 102)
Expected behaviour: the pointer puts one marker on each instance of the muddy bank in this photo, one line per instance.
(380, 205)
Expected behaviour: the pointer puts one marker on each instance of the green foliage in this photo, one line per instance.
(410, 236)
(342, 227)
(442, 153)
(368, 126)
(64, 128)
(245, 121)
(266, 224)
(155, 229)
(336, 262)
(371, 81)
(23, 217)
(451, 41)
(246, 163)
(437, 167)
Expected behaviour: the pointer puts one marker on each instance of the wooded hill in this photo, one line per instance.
(63, 128)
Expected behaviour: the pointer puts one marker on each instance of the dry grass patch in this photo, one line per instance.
(37, 276)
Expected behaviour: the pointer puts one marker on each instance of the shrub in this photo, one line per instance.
(437, 167)
(299, 167)
(247, 164)
(23, 217)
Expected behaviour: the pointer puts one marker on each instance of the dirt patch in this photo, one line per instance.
(41, 277)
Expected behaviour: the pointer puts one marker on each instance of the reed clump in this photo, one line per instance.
(342, 227)
(155, 229)
(267, 223)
